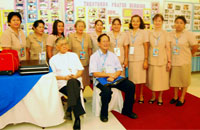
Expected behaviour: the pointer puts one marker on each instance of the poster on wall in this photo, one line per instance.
(155, 8)
(93, 15)
(20, 7)
(4, 18)
(55, 12)
(80, 13)
(69, 11)
(196, 17)
(32, 13)
(174, 9)
(43, 10)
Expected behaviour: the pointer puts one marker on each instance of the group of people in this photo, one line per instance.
(156, 58)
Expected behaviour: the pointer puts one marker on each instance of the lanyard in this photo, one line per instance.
(41, 44)
(176, 38)
(116, 43)
(20, 39)
(134, 38)
(157, 40)
(104, 58)
(82, 44)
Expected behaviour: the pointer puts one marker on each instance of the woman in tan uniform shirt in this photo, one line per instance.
(36, 42)
(138, 53)
(184, 45)
(14, 38)
(159, 60)
(80, 43)
(58, 31)
(94, 35)
(119, 43)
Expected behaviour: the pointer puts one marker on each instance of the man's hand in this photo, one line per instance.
(68, 77)
(145, 64)
(110, 79)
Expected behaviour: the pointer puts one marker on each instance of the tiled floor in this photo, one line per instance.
(90, 122)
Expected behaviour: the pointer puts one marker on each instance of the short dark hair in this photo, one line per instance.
(142, 26)
(55, 24)
(116, 19)
(60, 38)
(11, 14)
(95, 23)
(79, 21)
(100, 36)
(37, 22)
(181, 18)
(157, 16)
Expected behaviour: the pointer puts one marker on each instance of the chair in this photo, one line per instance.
(115, 104)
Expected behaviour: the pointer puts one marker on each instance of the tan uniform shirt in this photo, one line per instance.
(137, 42)
(76, 46)
(51, 42)
(185, 42)
(16, 42)
(94, 37)
(36, 46)
(122, 41)
(163, 42)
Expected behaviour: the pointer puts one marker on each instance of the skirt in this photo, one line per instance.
(136, 72)
(85, 76)
(180, 76)
(158, 78)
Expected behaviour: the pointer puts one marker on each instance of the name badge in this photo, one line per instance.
(22, 52)
(176, 50)
(117, 51)
(82, 55)
(131, 50)
(42, 56)
(155, 51)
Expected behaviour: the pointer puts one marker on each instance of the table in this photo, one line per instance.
(41, 106)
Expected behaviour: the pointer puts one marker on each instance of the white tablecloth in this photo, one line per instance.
(41, 106)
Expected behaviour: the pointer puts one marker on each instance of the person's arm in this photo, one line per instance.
(78, 74)
(49, 51)
(27, 53)
(111, 76)
(89, 51)
(67, 77)
(6, 48)
(168, 48)
(194, 49)
(146, 54)
(126, 56)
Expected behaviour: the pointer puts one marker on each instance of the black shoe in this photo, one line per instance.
(159, 103)
(172, 101)
(141, 101)
(131, 115)
(77, 124)
(103, 118)
(152, 101)
(68, 115)
(179, 103)
(84, 100)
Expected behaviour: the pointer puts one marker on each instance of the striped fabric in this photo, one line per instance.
(195, 64)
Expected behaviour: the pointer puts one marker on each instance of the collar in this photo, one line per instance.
(35, 37)
(12, 31)
(76, 36)
(112, 33)
(101, 53)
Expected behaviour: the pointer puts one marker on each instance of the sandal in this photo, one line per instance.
(159, 103)
(152, 101)
(140, 101)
